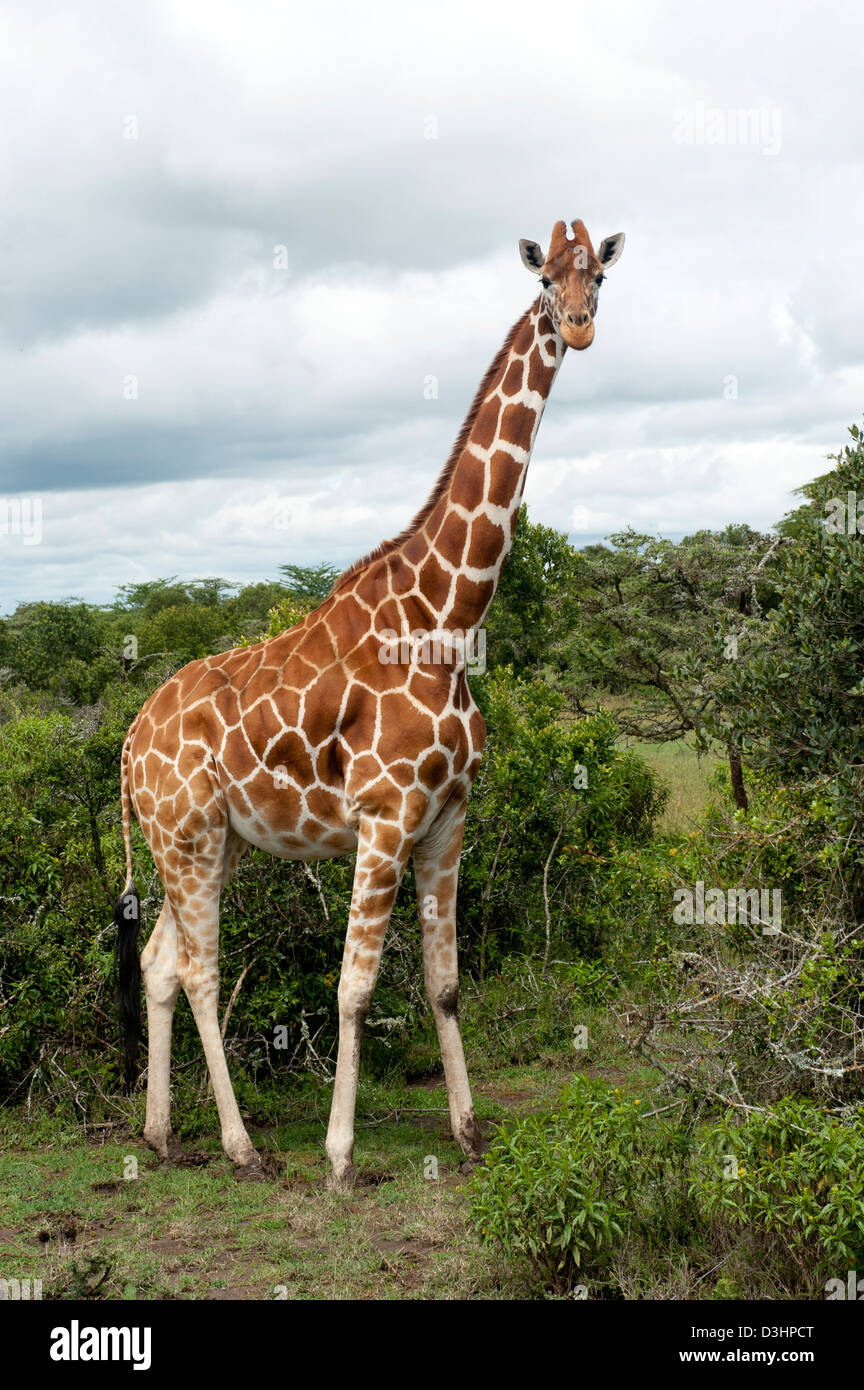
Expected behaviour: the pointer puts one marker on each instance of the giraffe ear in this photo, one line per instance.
(531, 255)
(611, 249)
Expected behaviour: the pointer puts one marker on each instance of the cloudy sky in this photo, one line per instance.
(237, 240)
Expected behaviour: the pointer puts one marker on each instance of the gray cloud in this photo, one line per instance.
(264, 126)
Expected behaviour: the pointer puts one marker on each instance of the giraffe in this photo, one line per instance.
(319, 742)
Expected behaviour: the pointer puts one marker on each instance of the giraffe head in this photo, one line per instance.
(571, 274)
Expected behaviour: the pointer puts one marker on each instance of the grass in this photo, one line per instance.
(686, 773)
(96, 1216)
(74, 1219)
(103, 1219)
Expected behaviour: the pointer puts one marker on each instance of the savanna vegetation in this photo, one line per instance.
(662, 939)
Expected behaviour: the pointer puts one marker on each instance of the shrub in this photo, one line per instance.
(798, 1176)
(565, 1190)
(755, 1016)
(553, 803)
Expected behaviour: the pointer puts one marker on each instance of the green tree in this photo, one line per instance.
(187, 630)
(535, 603)
(665, 623)
(40, 638)
(310, 583)
(796, 703)
(149, 597)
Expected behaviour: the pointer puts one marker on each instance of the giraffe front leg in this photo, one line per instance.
(436, 870)
(382, 854)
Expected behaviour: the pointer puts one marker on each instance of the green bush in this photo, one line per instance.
(565, 1190)
(597, 1193)
(757, 1017)
(798, 1175)
(518, 1015)
(553, 806)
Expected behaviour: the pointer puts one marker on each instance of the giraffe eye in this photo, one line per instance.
(598, 279)
(545, 282)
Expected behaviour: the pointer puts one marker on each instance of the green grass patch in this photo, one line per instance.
(687, 774)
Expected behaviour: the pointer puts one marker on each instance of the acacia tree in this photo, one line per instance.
(309, 583)
(664, 622)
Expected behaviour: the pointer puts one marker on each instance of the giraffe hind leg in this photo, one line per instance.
(161, 985)
(196, 909)
(182, 952)
(159, 965)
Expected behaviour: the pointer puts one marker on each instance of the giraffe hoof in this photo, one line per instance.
(470, 1166)
(250, 1172)
(257, 1169)
(344, 1180)
(169, 1149)
(470, 1139)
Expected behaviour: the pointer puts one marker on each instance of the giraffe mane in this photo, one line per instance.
(387, 547)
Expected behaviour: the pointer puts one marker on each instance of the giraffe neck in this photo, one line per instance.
(459, 542)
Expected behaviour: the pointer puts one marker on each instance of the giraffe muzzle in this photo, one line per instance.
(577, 329)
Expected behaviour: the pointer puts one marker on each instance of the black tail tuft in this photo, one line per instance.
(127, 978)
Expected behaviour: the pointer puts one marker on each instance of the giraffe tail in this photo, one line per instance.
(127, 920)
